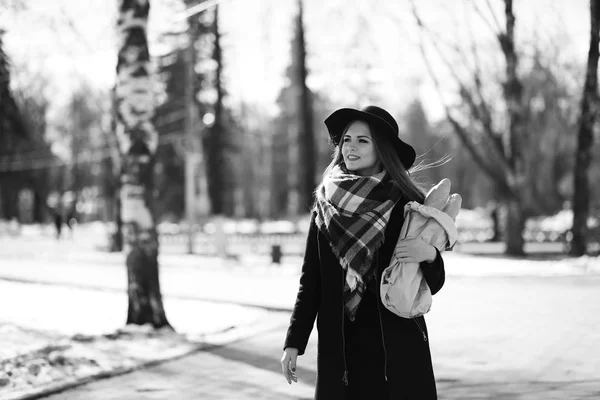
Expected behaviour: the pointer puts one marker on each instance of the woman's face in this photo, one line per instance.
(358, 150)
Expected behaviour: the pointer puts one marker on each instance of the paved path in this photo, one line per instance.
(493, 338)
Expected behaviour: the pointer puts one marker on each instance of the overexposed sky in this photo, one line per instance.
(71, 40)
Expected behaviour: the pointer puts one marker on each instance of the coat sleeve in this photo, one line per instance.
(309, 295)
(434, 273)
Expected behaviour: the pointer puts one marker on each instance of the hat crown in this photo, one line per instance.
(382, 114)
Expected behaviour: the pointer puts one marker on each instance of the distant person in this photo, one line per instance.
(365, 351)
(58, 221)
(493, 209)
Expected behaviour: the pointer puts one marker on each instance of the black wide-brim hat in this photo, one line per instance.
(379, 119)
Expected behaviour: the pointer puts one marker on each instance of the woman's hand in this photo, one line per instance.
(414, 250)
(288, 364)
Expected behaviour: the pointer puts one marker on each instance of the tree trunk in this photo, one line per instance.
(495, 223)
(4, 200)
(220, 193)
(118, 238)
(515, 224)
(39, 207)
(306, 166)
(10, 197)
(581, 193)
(137, 140)
(280, 174)
(516, 142)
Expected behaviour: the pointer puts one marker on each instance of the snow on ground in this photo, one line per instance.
(460, 264)
(69, 311)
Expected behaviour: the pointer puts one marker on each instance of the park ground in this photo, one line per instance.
(499, 329)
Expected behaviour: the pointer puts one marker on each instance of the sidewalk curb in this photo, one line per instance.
(219, 339)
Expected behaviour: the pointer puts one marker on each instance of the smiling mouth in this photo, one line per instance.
(353, 158)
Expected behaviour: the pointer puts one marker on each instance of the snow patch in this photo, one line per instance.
(80, 356)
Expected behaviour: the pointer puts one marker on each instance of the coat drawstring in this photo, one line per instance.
(378, 300)
(345, 376)
(421, 329)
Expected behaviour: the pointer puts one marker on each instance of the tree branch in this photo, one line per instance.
(498, 25)
(496, 31)
(486, 117)
(498, 178)
(479, 111)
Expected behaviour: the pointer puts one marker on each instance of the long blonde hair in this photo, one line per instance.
(390, 161)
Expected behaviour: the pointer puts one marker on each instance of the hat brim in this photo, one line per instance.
(339, 119)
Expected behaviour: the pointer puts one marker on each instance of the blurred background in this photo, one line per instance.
(59, 153)
(239, 90)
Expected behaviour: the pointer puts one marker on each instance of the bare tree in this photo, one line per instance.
(13, 133)
(216, 141)
(583, 155)
(306, 136)
(498, 152)
(137, 140)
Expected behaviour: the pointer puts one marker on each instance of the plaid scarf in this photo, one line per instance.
(353, 212)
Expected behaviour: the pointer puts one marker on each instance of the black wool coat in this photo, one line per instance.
(384, 356)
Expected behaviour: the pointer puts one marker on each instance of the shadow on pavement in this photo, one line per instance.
(261, 361)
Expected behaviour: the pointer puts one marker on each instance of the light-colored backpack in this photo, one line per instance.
(403, 289)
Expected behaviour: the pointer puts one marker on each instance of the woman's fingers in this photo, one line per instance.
(293, 368)
(285, 362)
(404, 255)
(288, 367)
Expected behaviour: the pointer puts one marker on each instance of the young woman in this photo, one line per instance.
(364, 350)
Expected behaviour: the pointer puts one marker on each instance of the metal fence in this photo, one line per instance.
(293, 243)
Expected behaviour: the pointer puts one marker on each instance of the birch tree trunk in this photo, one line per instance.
(589, 104)
(137, 140)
